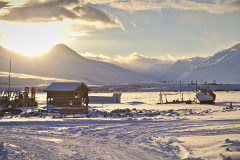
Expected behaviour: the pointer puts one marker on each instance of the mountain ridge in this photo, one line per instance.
(179, 67)
(222, 66)
(63, 62)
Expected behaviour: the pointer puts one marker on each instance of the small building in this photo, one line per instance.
(116, 98)
(67, 94)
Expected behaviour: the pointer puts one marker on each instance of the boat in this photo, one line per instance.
(206, 96)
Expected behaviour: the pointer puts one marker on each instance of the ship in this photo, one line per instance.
(206, 96)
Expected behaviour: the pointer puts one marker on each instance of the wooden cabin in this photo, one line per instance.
(67, 94)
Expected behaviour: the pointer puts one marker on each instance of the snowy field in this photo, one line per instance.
(145, 130)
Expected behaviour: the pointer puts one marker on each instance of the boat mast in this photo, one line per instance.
(9, 82)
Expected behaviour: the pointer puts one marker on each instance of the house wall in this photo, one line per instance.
(68, 98)
(116, 98)
(101, 99)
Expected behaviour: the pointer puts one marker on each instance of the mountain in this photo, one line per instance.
(224, 67)
(179, 67)
(150, 68)
(63, 62)
(158, 69)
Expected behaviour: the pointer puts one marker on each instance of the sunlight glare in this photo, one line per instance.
(31, 38)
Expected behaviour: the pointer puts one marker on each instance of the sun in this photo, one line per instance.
(34, 38)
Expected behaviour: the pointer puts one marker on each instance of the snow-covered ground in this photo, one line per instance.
(145, 130)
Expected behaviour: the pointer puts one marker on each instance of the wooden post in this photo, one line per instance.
(160, 96)
(47, 99)
(33, 93)
(180, 90)
(1, 145)
(9, 82)
(230, 106)
(196, 91)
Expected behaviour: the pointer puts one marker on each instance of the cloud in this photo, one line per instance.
(59, 10)
(137, 59)
(132, 59)
(136, 62)
(210, 6)
(4, 4)
(236, 3)
(99, 57)
(133, 24)
(92, 14)
(40, 11)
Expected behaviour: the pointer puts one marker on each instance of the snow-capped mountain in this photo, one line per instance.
(63, 62)
(181, 66)
(224, 67)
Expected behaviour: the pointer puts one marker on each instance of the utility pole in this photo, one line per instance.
(160, 96)
(180, 91)
(9, 82)
(196, 91)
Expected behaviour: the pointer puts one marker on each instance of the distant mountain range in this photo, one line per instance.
(63, 62)
(178, 68)
(224, 66)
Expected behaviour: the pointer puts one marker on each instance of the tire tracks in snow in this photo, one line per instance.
(104, 139)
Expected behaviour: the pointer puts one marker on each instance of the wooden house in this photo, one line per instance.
(67, 94)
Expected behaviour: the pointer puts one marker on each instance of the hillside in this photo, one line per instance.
(179, 67)
(224, 67)
(63, 62)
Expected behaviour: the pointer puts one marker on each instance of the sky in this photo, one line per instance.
(165, 30)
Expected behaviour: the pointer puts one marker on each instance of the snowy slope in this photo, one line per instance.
(158, 69)
(153, 132)
(179, 67)
(63, 62)
(224, 67)
(5, 57)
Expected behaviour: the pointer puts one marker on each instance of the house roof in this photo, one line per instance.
(63, 86)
